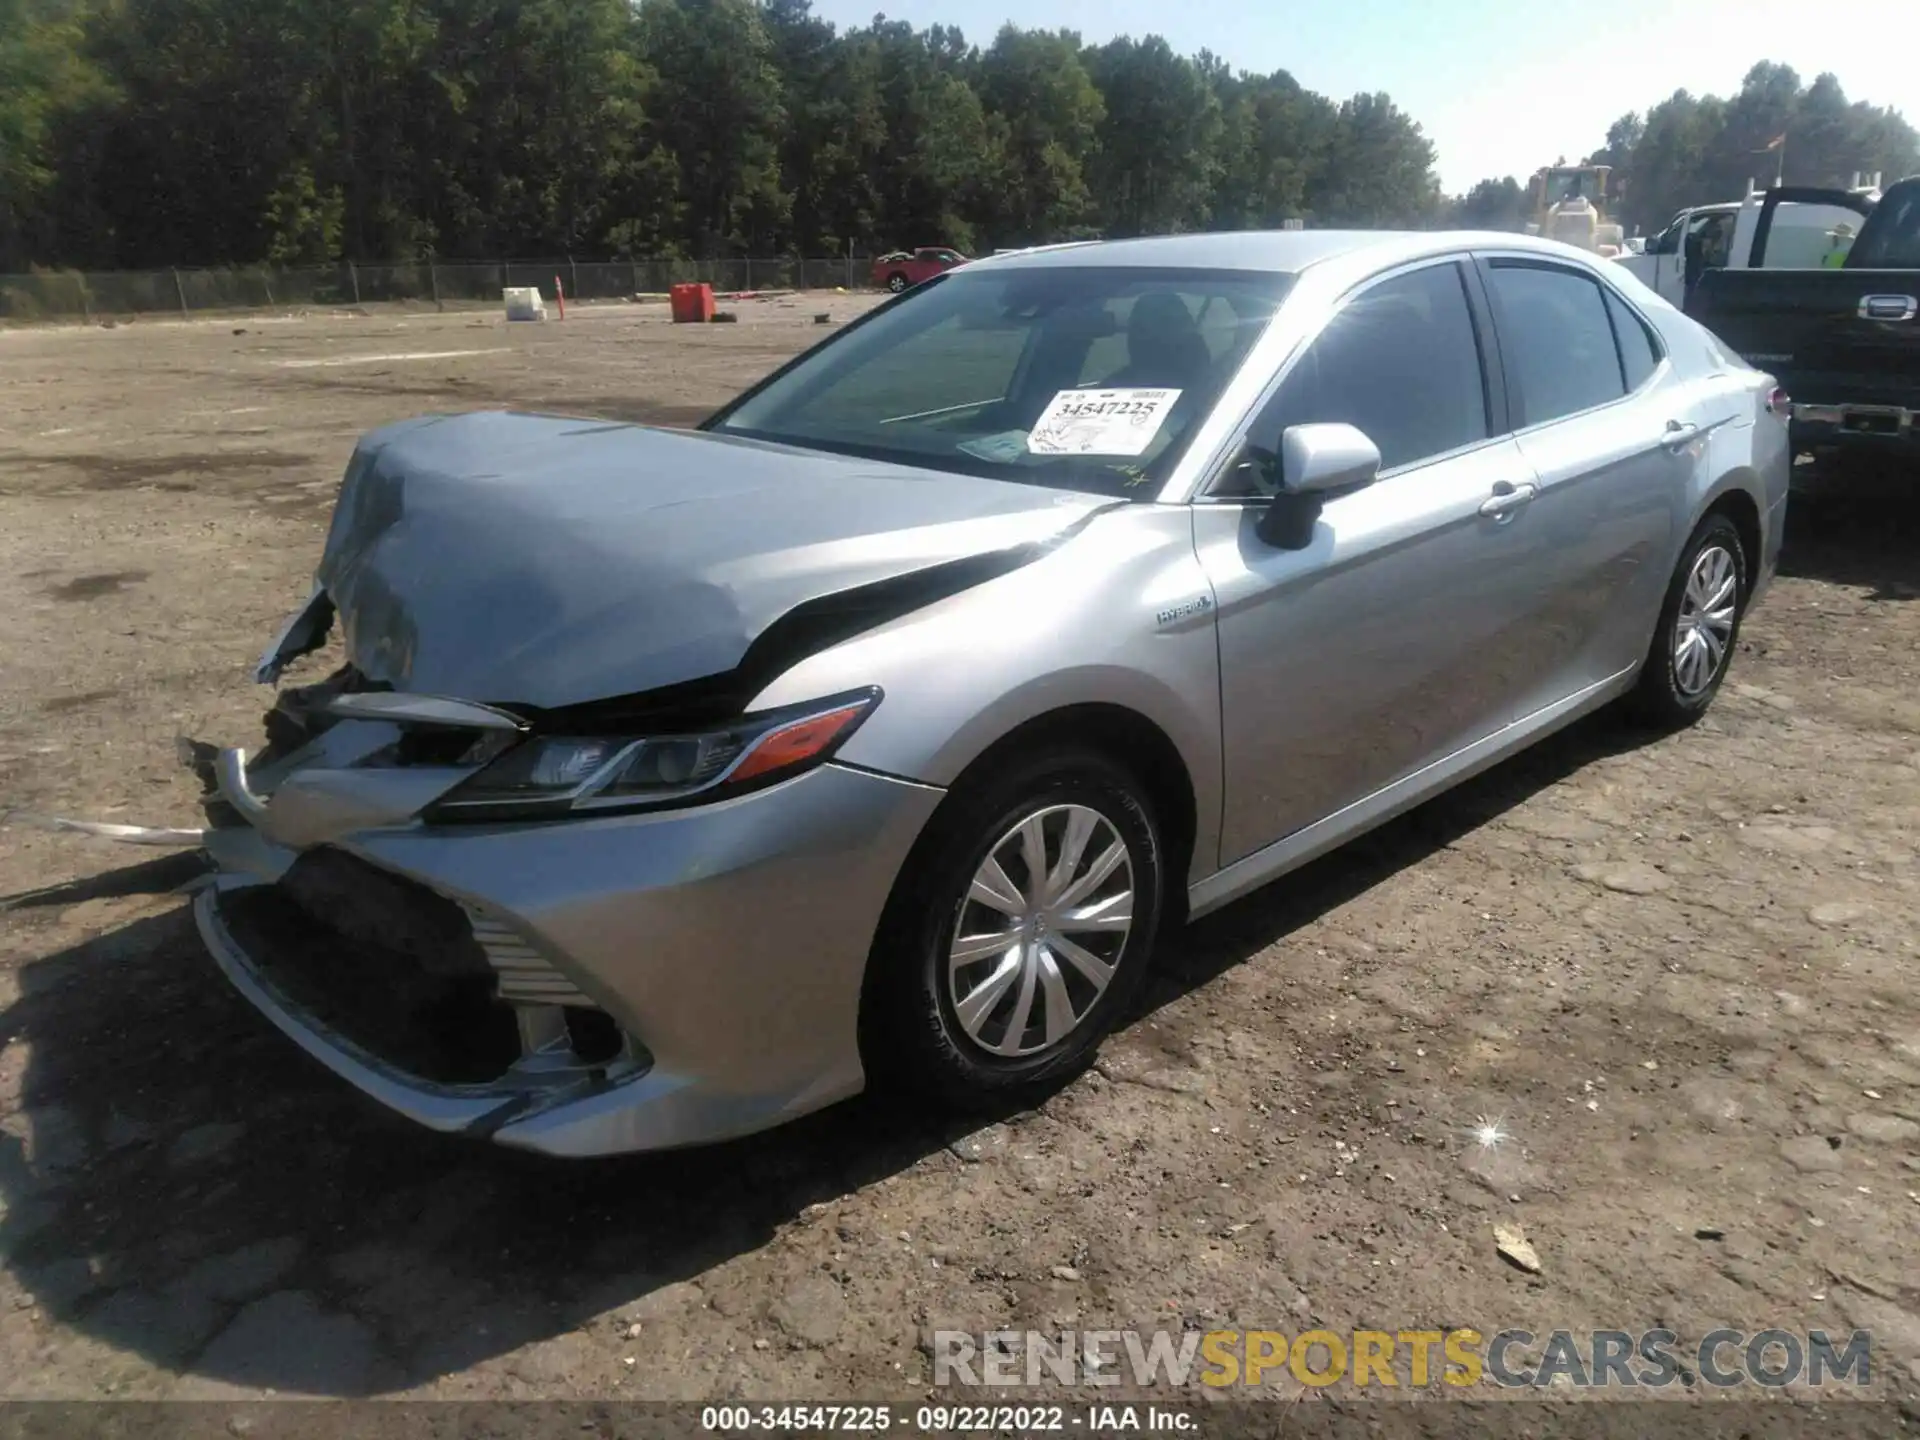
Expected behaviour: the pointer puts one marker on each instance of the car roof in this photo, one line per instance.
(1278, 251)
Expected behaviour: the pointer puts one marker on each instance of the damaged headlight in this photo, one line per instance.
(543, 775)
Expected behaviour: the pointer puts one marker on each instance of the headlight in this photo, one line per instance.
(545, 775)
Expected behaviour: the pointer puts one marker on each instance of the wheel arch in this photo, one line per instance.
(1736, 502)
(1117, 733)
(1126, 737)
(1140, 747)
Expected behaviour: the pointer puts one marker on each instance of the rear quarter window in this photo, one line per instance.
(1639, 348)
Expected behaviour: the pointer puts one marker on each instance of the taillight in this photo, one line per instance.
(1778, 403)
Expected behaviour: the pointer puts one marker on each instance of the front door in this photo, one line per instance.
(1389, 641)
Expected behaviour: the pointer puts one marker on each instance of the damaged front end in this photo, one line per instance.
(531, 864)
(429, 1002)
(549, 927)
(452, 910)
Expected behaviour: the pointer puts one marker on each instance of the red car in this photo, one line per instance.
(905, 268)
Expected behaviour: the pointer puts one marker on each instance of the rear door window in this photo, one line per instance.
(1558, 339)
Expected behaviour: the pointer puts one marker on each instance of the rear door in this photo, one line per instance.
(1613, 438)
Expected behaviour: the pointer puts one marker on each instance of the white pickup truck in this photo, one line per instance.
(1799, 237)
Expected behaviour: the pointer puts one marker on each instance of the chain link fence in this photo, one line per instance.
(90, 295)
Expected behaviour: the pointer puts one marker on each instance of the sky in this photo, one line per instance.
(1501, 87)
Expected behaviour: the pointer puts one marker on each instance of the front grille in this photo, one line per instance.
(443, 990)
(383, 911)
(435, 1023)
(522, 975)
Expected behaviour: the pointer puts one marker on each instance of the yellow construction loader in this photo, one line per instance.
(1569, 205)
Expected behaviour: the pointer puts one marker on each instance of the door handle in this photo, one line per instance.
(1507, 498)
(1888, 307)
(1679, 435)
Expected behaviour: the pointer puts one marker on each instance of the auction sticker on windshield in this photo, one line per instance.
(1100, 422)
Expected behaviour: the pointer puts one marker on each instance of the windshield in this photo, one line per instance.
(1089, 378)
(1573, 185)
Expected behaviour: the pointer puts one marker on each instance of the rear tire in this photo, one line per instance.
(971, 1001)
(1699, 626)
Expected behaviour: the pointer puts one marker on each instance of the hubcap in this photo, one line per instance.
(1040, 932)
(1703, 631)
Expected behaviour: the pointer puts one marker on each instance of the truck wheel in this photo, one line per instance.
(1699, 626)
(896, 282)
(1018, 933)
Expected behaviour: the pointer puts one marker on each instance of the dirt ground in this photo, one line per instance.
(1681, 975)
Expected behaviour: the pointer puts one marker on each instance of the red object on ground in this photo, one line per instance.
(560, 294)
(691, 304)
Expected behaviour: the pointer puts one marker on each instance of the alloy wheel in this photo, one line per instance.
(1040, 931)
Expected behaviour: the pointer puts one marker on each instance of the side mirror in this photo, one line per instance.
(1319, 459)
(1315, 461)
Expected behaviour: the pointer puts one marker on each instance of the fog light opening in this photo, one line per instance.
(595, 1036)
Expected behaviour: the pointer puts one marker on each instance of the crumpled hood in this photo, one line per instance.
(540, 561)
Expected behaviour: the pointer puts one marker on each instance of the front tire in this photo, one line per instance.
(1018, 933)
(896, 282)
(1699, 627)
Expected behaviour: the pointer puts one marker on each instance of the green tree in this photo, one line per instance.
(836, 131)
(1277, 139)
(45, 82)
(942, 158)
(717, 108)
(1501, 204)
(1380, 168)
(1159, 141)
(1034, 83)
(1672, 162)
(1693, 151)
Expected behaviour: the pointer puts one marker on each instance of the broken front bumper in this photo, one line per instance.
(727, 943)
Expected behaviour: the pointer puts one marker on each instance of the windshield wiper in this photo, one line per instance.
(943, 410)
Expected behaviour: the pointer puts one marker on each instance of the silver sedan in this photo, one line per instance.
(674, 784)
